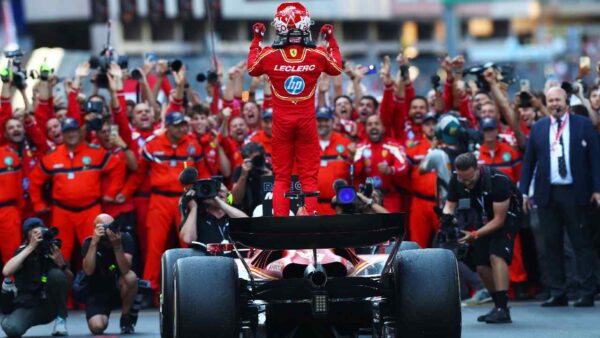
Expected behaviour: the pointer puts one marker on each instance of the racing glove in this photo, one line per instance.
(258, 29)
(326, 34)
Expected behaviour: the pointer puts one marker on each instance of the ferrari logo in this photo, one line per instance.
(293, 52)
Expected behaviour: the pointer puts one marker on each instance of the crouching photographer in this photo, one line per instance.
(487, 203)
(42, 279)
(206, 211)
(246, 191)
(348, 200)
(108, 281)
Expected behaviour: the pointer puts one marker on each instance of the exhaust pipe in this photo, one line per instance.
(316, 275)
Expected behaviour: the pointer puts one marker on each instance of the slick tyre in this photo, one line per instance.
(408, 245)
(167, 266)
(207, 298)
(427, 294)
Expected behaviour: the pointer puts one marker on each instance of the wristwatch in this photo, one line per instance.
(64, 267)
(370, 202)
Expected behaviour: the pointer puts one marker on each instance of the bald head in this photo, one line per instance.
(103, 219)
(556, 99)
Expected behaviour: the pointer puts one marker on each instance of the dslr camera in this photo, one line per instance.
(49, 238)
(449, 234)
(259, 163)
(506, 73)
(209, 76)
(207, 188)
(19, 75)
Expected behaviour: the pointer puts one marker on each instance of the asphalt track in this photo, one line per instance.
(529, 320)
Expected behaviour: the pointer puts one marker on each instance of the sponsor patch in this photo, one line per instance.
(294, 85)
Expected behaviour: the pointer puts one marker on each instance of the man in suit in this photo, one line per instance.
(564, 150)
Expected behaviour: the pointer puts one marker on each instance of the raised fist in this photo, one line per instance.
(326, 32)
(258, 29)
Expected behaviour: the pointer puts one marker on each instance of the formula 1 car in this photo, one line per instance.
(301, 278)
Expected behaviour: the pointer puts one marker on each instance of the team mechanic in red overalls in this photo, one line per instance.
(294, 65)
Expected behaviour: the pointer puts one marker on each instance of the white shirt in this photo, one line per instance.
(555, 177)
(324, 144)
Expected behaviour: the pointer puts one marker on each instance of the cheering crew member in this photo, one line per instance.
(335, 154)
(11, 201)
(422, 219)
(164, 157)
(74, 168)
(294, 65)
(384, 161)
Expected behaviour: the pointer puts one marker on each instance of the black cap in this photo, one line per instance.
(32, 222)
(69, 124)
(488, 123)
(174, 118)
(324, 113)
(267, 114)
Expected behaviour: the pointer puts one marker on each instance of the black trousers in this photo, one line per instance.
(22, 319)
(562, 214)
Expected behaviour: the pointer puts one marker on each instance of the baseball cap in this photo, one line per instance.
(174, 118)
(447, 127)
(69, 124)
(324, 113)
(32, 222)
(429, 116)
(267, 114)
(487, 123)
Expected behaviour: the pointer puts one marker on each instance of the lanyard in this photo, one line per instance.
(560, 131)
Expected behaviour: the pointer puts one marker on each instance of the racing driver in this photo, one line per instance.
(294, 64)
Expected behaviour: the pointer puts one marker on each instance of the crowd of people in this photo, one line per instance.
(69, 159)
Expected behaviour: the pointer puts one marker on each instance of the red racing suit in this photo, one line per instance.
(366, 164)
(294, 71)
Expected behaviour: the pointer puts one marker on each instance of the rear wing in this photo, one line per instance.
(315, 232)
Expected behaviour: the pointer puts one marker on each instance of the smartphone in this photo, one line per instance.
(585, 61)
(114, 130)
(371, 69)
(150, 56)
(524, 85)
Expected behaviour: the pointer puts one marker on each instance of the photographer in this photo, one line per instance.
(488, 204)
(42, 279)
(247, 177)
(109, 279)
(364, 201)
(208, 219)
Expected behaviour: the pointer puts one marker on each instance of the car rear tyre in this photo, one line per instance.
(408, 245)
(207, 298)
(166, 287)
(427, 294)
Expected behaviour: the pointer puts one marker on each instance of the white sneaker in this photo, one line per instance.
(480, 297)
(60, 327)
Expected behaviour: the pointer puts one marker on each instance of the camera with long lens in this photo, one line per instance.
(49, 238)
(346, 195)
(449, 234)
(19, 75)
(506, 74)
(174, 65)
(97, 109)
(209, 76)
(113, 226)
(259, 162)
(102, 64)
(206, 188)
